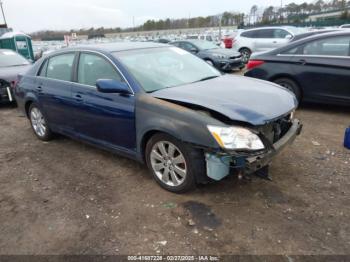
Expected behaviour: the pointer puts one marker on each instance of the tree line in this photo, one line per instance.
(294, 13)
(290, 13)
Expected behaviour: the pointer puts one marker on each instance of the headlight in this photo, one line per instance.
(220, 56)
(292, 115)
(236, 138)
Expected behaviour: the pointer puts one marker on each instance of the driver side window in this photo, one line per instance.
(93, 67)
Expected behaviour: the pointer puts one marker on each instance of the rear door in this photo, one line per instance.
(323, 69)
(264, 40)
(268, 39)
(54, 87)
(107, 119)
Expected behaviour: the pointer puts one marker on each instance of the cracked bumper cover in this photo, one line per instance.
(255, 163)
(218, 169)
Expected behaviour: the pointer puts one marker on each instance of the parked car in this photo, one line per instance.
(345, 26)
(316, 69)
(162, 40)
(221, 58)
(11, 64)
(262, 39)
(160, 105)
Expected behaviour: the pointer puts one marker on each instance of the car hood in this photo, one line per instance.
(10, 73)
(239, 98)
(223, 51)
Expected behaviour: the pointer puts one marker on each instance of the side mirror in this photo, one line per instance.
(112, 86)
(288, 37)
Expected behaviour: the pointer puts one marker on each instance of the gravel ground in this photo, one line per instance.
(65, 197)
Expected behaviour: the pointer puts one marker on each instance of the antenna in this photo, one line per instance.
(2, 11)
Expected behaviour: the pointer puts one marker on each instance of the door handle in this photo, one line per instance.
(302, 61)
(78, 98)
(39, 89)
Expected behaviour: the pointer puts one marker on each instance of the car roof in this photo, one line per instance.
(317, 32)
(269, 27)
(115, 47)
(310, 38)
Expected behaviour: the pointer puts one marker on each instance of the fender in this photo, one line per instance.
(187, 125)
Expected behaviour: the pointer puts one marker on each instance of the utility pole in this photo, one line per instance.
(220, 33)
(2, 11)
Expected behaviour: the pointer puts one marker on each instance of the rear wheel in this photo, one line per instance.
(39, 123)
(290, 85)
(173, 164)
(246, 53)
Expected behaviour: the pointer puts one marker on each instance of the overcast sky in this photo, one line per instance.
(33, 15)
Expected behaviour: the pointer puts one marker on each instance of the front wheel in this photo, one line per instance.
(246, 53)
(173, 164)
(39, 123)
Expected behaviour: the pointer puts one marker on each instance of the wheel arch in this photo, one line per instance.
(284, 75)
(27, 106)
(148, 135)
(245, 47)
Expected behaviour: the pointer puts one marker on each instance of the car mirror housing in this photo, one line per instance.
(289, 37)
(112, 86)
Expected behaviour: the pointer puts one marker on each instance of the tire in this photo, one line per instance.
(165, 166)
(246, 53)
(290, 85)
(39, 123)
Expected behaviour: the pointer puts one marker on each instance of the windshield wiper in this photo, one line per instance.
(206, 78)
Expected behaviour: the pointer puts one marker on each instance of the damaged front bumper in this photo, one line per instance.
(230, 64)
(220, 165)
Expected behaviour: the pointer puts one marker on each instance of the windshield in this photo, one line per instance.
(10, 58)
(205, 45)
(159, 68)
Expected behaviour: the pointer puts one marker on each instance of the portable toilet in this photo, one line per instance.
(19, 42)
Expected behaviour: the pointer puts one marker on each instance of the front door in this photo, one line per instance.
(107, 119)
(323, 67)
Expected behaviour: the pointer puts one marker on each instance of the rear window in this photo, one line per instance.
(8, 58)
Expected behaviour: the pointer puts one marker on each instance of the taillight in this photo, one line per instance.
(254, 63)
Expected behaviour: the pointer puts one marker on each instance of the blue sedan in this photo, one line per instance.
(159, 105)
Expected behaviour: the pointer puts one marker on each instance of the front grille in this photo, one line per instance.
(275, 130)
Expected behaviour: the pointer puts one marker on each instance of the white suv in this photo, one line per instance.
(262, 39)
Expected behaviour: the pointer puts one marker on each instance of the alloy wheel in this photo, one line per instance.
(245, 55)
(38, 122)
(168, 163)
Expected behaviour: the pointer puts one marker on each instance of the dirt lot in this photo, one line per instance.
(65, 197)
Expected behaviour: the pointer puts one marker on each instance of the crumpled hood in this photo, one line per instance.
(238, 98)
(10, 73)
(224, 51)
